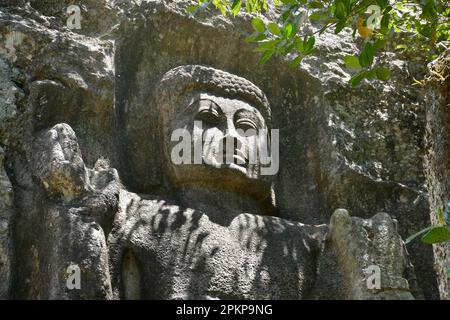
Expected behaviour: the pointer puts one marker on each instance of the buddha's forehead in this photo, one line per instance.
(226, 104)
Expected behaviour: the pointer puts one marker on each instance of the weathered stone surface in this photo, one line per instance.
(6, 219)
(306, 107)
(58, 164)
(359, 149)
(437, 165)
(182, 254)
(77, 206)
(372, 243)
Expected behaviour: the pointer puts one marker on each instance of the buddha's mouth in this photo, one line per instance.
(236, 167)
(240, 163)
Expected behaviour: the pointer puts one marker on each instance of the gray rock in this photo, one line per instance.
(366, 246)
(58, 164)
(437, 165)
(78, 205)
(179, 253)
(359, 149)
(6, 219)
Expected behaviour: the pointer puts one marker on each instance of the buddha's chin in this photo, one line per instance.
(218, 174)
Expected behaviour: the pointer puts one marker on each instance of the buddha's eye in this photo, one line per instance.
(209, 117)
(248, 126)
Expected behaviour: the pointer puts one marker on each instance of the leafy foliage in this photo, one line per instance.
(376, 21)
(436, 234)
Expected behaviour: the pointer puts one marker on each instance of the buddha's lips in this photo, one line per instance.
(237, 167)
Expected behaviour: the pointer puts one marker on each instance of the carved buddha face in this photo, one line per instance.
(214, 129)
(221, 133)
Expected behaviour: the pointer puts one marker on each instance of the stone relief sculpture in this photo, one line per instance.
(214, 233)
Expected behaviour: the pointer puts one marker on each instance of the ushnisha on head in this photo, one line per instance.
(226, 117)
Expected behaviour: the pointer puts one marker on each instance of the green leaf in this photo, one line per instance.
(383, 3)
(352, 62)
(384, 23)
(385, 31)
(436, 235)
(379, 44)
(269, 45)
(274, 28)
(383, 73)
(411, 238)
(266, 57)
(296, 61)
(258, 25)
(191, 9)
(256, 37)
(356, 79)
(236, 7)
(308, 45)
(426, 31)
(288, 30)
(318, 16)
(387, 9)
(348, 5)
(315, 5)
(298, 45)
(371, 74)
(401, 47)
(440, 216)
(339, 26)
(340, 11)
(429, 10)
(366, 56)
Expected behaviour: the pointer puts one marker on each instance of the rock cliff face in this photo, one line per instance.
(437, 163)
(74, 104)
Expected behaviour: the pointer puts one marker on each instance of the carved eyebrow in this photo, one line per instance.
(244, 113)
(198, 101)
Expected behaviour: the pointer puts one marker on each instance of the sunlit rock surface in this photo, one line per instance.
(360, 149)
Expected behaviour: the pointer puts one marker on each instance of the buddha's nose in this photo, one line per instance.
(233, 151)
